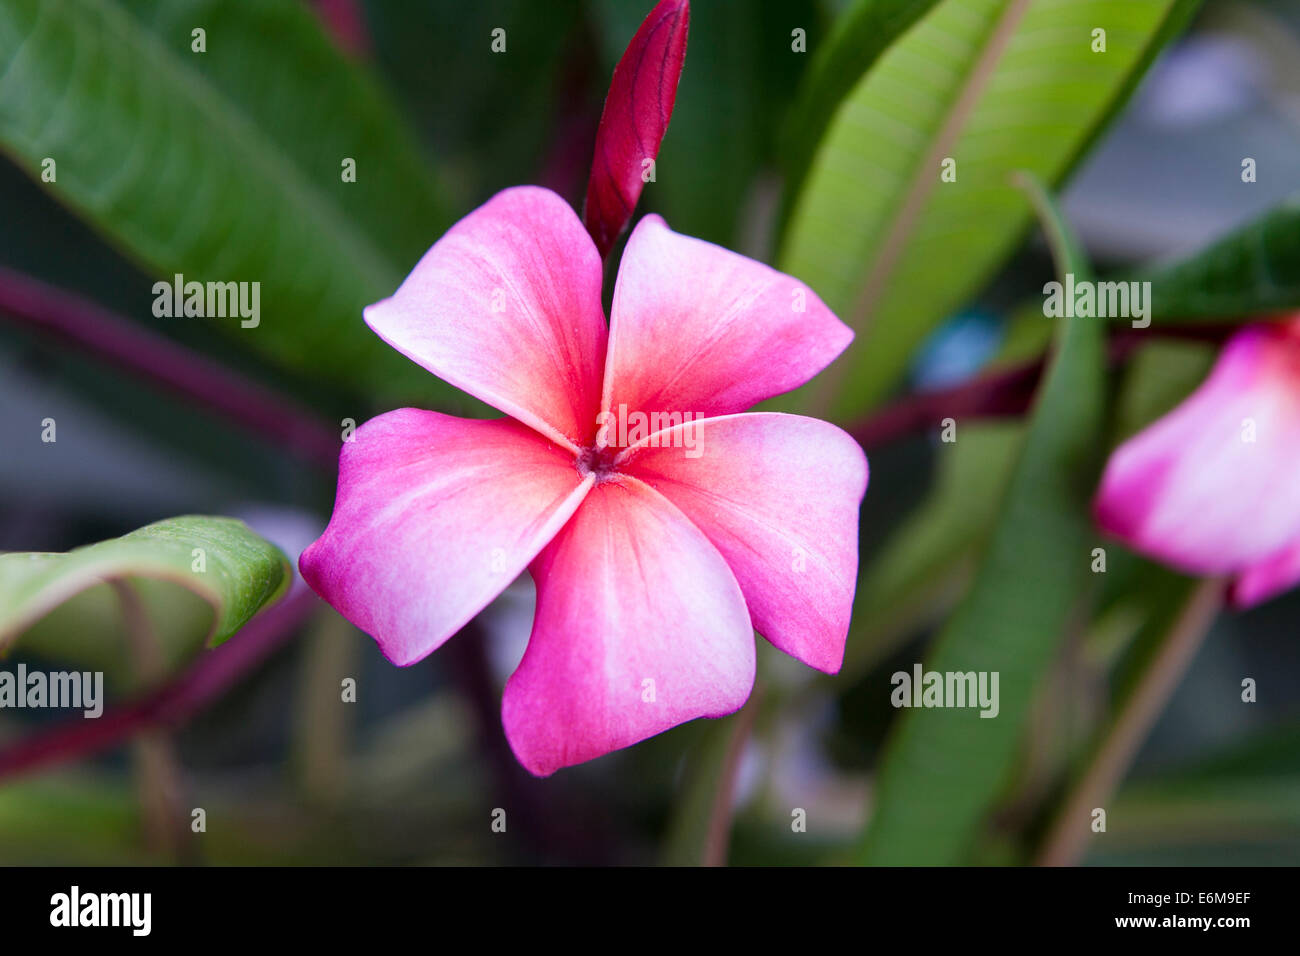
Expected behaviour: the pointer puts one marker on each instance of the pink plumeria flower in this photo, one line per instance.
(653, 564)
(1213, 488)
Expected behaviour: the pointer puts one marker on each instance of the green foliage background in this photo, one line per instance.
(823, 162)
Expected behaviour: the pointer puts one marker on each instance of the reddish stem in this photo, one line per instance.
(174, 703)
(1000, 394)
(1005, 393)
(718, 837)
(92, 329)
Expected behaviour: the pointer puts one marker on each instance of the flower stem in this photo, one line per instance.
(1004, 393)
(153, 752)
(718, 836)
(1065, 841)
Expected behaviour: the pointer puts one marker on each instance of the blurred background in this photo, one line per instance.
(412, 771)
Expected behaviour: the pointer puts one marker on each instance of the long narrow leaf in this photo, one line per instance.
(907, 207)
(945, 767)
(229, 164)
(860, 35)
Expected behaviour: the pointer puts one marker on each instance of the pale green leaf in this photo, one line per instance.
(944, 768)
(993, 85)
(217, 560)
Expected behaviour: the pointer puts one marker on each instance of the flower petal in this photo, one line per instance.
(640, 626)
(506, 306)
(434, 517)
(697, 328)
(1267, 579)
(778, 495)
(1211, 487)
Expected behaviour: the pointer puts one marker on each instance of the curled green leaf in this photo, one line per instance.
(219, 560)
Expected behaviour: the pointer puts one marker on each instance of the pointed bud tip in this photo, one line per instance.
(637, 110)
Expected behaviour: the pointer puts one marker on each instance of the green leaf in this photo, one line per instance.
(945, 768)
(226, 165)
(219, 560)
(1177, 613)
(918, 574)
(74, 820)
(859, 36)
(497, 119)
(1253, 270)
(995, 85)
(1159, 376)
(925, 565)
(1246, 794)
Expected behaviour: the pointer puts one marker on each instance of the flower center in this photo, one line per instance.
(597, 461)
